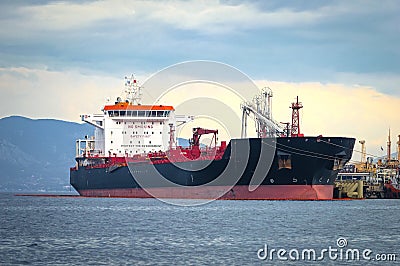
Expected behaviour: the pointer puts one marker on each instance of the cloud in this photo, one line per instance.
(39, 93)
(213, 17)
(209, 16)
(71, 15)
(202, 16)
(293, 41)
(388, 83)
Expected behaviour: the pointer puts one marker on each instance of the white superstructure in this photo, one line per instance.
(128, 128)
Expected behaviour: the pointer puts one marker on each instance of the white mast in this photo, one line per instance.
(133, 92)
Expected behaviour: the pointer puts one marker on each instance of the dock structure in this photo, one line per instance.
(368, 185)
(370, 178)
(349, 189)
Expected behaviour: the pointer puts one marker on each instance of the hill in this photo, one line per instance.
(35, 155)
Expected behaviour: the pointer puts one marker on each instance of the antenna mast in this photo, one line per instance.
(389, 144)
(398, 149)
(363, 151)
(296, 118)
(133, 91)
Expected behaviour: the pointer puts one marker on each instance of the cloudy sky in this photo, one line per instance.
(60, 59)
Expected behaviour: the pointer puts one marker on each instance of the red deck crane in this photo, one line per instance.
(195, 141)
(198, 131)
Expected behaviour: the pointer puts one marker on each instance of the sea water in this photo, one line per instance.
(117, 231)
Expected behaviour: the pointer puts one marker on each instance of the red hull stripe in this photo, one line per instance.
(275, 192)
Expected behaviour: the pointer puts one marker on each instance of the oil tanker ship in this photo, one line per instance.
(134, 153)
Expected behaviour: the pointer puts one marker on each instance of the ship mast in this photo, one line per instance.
(398, 149)
(133, 92)
(296, 118)
(389, 144)
(363, 152)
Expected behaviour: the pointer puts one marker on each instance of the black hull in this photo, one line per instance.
(302, 162)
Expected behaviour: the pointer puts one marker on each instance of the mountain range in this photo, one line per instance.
(35, 155)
